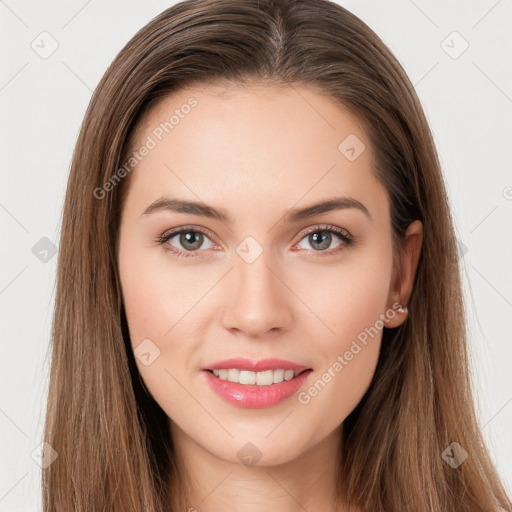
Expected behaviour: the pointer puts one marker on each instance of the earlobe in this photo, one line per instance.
(396, 315)
(403, 280)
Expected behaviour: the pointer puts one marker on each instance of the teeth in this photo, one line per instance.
(278, 376)
(265, 378)
(245, 377)
(289, 374)
(233, 375)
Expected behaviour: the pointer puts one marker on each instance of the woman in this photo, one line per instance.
(258, 301)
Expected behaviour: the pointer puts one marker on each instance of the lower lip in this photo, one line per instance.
(254, 396)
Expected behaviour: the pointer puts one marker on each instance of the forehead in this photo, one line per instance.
(253, 147)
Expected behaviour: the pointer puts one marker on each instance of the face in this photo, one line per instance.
(296, 296)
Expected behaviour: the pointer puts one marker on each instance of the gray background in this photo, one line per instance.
(467, 98)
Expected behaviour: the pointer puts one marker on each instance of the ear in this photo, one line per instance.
(403, 276)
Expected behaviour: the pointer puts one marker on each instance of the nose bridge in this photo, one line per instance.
(258, 300)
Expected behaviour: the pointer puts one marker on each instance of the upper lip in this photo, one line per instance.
(242, 363)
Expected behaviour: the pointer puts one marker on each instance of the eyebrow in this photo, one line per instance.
(291, 216)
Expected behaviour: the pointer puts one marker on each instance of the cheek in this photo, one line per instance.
(162, 305)
(155, 317)
(352, 306)
(146, 304)
(157, 297)
(348, 297)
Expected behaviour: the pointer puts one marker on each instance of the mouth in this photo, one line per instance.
(255, 384)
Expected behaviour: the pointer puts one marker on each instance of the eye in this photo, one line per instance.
(320, 238)
(190, 240)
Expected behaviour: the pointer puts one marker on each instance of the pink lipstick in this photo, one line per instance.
(255, 384)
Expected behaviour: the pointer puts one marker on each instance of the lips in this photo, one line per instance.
(255, 384)
(256, 366)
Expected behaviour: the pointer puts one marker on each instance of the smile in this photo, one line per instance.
(255, 384)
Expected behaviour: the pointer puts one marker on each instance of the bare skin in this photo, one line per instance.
(258, 153)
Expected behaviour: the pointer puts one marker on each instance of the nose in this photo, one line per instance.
(258, 302)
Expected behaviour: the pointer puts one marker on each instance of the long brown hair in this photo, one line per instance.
(114, 448)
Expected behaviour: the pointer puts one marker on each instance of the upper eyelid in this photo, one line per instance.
(326, 227)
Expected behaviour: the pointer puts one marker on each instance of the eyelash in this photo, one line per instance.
(347, 239)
